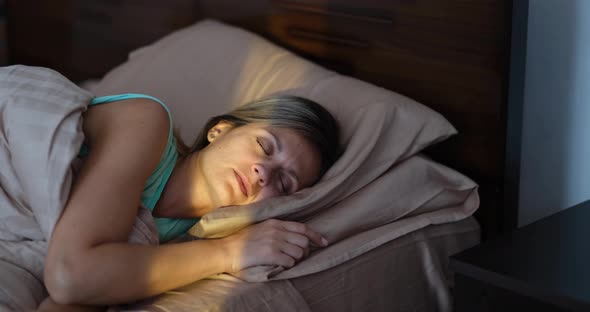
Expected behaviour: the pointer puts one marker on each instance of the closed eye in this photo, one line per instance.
(262, 146)
(283, 188)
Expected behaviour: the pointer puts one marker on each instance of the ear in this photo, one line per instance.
(218, 130)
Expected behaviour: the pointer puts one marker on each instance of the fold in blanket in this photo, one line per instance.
(40, 136)
(377, 180)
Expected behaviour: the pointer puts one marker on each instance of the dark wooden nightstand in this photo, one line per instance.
(544, 266)
(3, 38)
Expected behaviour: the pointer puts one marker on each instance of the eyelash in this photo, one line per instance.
(283, 188)
(262, 147)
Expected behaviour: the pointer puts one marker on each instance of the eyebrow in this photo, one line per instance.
(279, 148)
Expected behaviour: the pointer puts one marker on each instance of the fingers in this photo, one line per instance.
(299, 240)
(296, 239)
(300, 245)
(292, 241)
(301, 228)
(293, 251)
(285, 261)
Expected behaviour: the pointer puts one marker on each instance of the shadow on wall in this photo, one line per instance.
(554, 166)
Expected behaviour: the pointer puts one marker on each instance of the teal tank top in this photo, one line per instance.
(168, 228)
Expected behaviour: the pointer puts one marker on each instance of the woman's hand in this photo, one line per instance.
(272, 242)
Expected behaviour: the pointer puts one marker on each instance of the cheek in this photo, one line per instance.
(232, 153)
(239, 148)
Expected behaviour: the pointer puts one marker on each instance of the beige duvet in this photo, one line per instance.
(207, 68)
(40, 136)
(409, 273)
(379, 190)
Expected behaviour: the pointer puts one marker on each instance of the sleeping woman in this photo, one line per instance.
(266, 148)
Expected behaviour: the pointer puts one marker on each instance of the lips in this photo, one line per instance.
(241, 183)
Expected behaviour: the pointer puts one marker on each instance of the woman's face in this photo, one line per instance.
(254, 162)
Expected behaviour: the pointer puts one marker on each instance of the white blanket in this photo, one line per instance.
(40, 136)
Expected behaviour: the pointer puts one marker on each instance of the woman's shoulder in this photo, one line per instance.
(126, 140)
(143, 117)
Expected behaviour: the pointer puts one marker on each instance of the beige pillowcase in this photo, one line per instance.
(210, 67)
(416, 193)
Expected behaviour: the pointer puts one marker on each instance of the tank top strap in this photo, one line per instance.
(168, 228)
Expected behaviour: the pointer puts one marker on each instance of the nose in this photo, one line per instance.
(261, 173)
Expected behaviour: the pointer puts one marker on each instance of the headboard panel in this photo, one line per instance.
(450, 55)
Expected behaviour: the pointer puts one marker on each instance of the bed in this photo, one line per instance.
(451, 56)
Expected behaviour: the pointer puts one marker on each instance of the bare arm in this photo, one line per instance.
(89, 260)
(122, 273)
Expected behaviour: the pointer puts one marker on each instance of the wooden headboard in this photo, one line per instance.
(451, 55)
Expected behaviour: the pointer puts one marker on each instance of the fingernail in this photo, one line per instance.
(325, 242)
